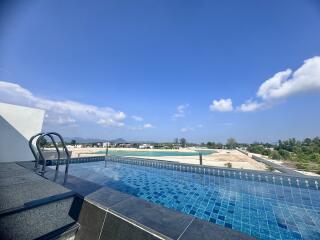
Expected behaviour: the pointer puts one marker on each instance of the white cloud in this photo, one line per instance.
(222, 105)
(273, 83)
(61, 112)
(191, 129)
(110, 122)
(287, 83)
(186, 129)
(250, 106)
(181, 111)
(137, 118)
(144, 126)
(68, 120)
(147, 125)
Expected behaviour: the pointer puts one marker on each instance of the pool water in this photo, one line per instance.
(151, 153)
(263, 210)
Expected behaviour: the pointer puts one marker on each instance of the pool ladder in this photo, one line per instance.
(40, 155)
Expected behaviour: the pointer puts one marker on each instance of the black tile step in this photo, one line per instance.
(46, 221)
(65, 232)
(37, 203)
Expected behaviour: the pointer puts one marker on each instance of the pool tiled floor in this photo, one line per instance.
(262, 209)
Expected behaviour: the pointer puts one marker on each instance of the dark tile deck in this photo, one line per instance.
(118, 228)
(78, 185)
(163, 220)
(91, 220)
(107, 197)
(19, 186)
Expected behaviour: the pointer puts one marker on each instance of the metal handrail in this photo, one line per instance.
(36, 156)
(41, 154)
(65, 149)
(105, 158)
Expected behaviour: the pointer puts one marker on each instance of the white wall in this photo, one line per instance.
(17, 125)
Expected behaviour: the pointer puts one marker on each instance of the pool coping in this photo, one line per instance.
(159, 221)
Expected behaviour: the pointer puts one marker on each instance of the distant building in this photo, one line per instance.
(124, 145)
(145, 146)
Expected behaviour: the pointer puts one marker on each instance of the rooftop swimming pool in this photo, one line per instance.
(151, 153)
(263, 209)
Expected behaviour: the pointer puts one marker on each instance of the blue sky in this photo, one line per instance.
(156, 70)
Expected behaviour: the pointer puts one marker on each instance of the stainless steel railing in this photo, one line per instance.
(40, 155)
(44, 161)
(36, 156)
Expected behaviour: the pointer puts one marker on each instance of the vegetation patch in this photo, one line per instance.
(305, 155)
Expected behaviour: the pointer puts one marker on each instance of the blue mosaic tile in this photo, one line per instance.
(265, 209)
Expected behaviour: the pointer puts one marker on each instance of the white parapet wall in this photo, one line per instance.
(17, 125)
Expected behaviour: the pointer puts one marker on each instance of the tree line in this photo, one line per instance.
(303, 154)
(230, 144)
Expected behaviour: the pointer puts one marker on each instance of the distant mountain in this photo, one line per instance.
(147, 142)
(84, 140)
(92, 140)
(118, 140)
